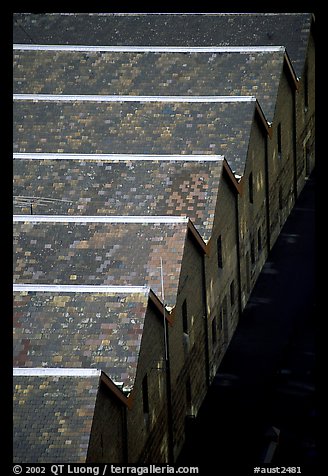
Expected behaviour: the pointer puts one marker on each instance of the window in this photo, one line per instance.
(232, 293)
(219, 252)
(224, 320)
(185, 327)
(184, 317)
(224, 308)
(280, 199)
(145, 398)
(259, 240)
(252, 251)
(306, 91)
(250, 187)
(214, 331)
(188, 396)
(307, 159)
(279, 140)
(221, 319)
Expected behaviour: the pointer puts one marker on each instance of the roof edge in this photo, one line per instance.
(130, 98)
(148, 48)
(81, 288)
(235, 183)
(122, 219)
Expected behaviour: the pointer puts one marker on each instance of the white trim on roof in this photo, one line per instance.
(100, 219)
(166, 13)
(120, 157)
(81, 288)
(124, 98)
(55, 372)
(150, 49)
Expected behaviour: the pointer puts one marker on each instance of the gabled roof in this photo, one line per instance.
(119, 185)
(171, 125)
(52, 417)
(286, 29)
(84, 250)
(74, 327)
(138, 71)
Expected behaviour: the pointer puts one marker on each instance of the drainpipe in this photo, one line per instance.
(167, 376)
(207, 354)
(267, 194)
(240, 308)
(294, 145)
(169, 398)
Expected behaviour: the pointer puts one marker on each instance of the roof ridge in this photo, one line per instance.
(84, 288)
(149, 49)
(102, 218)
(122, 157)
(130, 98)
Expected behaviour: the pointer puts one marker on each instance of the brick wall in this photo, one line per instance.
(281, 159)
(252, 209)
(146, 420)
(107, 437)
(221, 272)
(305, 117)
(187, 342)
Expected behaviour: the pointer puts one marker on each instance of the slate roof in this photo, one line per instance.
(78, 329)
(52, 418)
(126, 186)
(140, 127)
(99, 253)
(59, 323)
(242, 73)
(286, 29)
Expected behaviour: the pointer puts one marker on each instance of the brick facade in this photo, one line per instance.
(281, 158)
(305, 116)
(209, 183)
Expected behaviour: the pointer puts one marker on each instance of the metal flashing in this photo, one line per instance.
(100, 219)
(117, 157)
(150, 49)
(80, 288)
(117, 388)
(127, 98)
(55, 372)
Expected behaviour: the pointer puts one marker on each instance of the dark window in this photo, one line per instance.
(188, 396)
(232, 293)
(259, 240)
(280, 199)
(252, 251)
(279, 140)
(221, 319)
(250, 187)
(224, 311)
(214, 331)
(185, 327)
(224, 320)
(306, 91)
(307, 159)
(184, 317)
(219, 252)
(145, 398)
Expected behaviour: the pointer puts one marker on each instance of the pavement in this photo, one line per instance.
(261, 405)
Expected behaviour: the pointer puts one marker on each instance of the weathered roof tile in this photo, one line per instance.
(52, 418)
(136, 128)
(63, 329)
(119, 187)
(99, 253)
(156, 73)
(233, 29)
